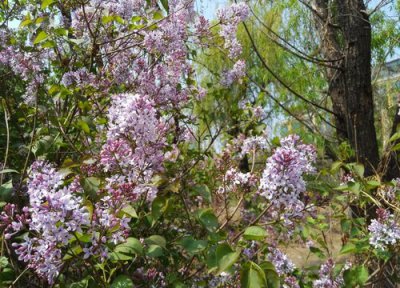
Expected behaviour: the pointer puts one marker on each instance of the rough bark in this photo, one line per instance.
(345, 33)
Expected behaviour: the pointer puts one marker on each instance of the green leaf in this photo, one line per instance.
(255, 233)
(107, 19)
(136, 18)
(131, 246)
(6, 191)
(84, 283)
(154, 251)
(158, 207)
(156, 240)
(91, 185)
(26, 22)
(273, 280)
(203, 191)
(394, 137)
(336, 165)
(193, 246)
(208, 219)
(252, 276)
(4, 171)
(39, 20)
(72, 252)
(374, 183)
(317, 252)
(3, 262)
(396, 147)
(158, 15)
(122, 281)
(49, 44)
(164, 4)
(46, 3)
(84, 126)
(42, 145)
(61, 31)
(119, 20)
(85, 238)
(130, 211)
(356, 276)
(226, 257)
(78, 41)
(40, 37)
(355, 188)
(359, 169)
(117, 256)
(348, 248)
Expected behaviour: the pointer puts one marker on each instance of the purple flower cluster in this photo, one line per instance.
(107, 227)
(283, 265)
(12, 221)
(230, 18)
(326, 277)
(282, 181)
(389, 192)
(234, 178)
(83, 78)
(253, 144)
(235, 74)
(135, 142)
(384, 230)
(27, 66)
(126, 56)
(56, 213)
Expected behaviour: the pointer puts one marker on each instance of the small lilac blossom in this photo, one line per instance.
(348, 177)
(389, 192)
(235, 74)
(283, 265)
(135, 144)
(56, 213)
(28, 66)
(291, 282)
(230, 18)
(326, 277)
(234, 179)
(258, 112)
(12, 220)
(384, 231)
(253, 144)
(282, 182)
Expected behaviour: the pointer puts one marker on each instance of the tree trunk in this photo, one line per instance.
(345, 33)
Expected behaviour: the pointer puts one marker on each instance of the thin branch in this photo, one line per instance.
(278, 78)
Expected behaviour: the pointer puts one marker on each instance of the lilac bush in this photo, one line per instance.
(125, 182)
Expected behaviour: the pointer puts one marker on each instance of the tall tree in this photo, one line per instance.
(345, 33)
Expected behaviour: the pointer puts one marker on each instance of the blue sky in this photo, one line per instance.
(209, 7)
